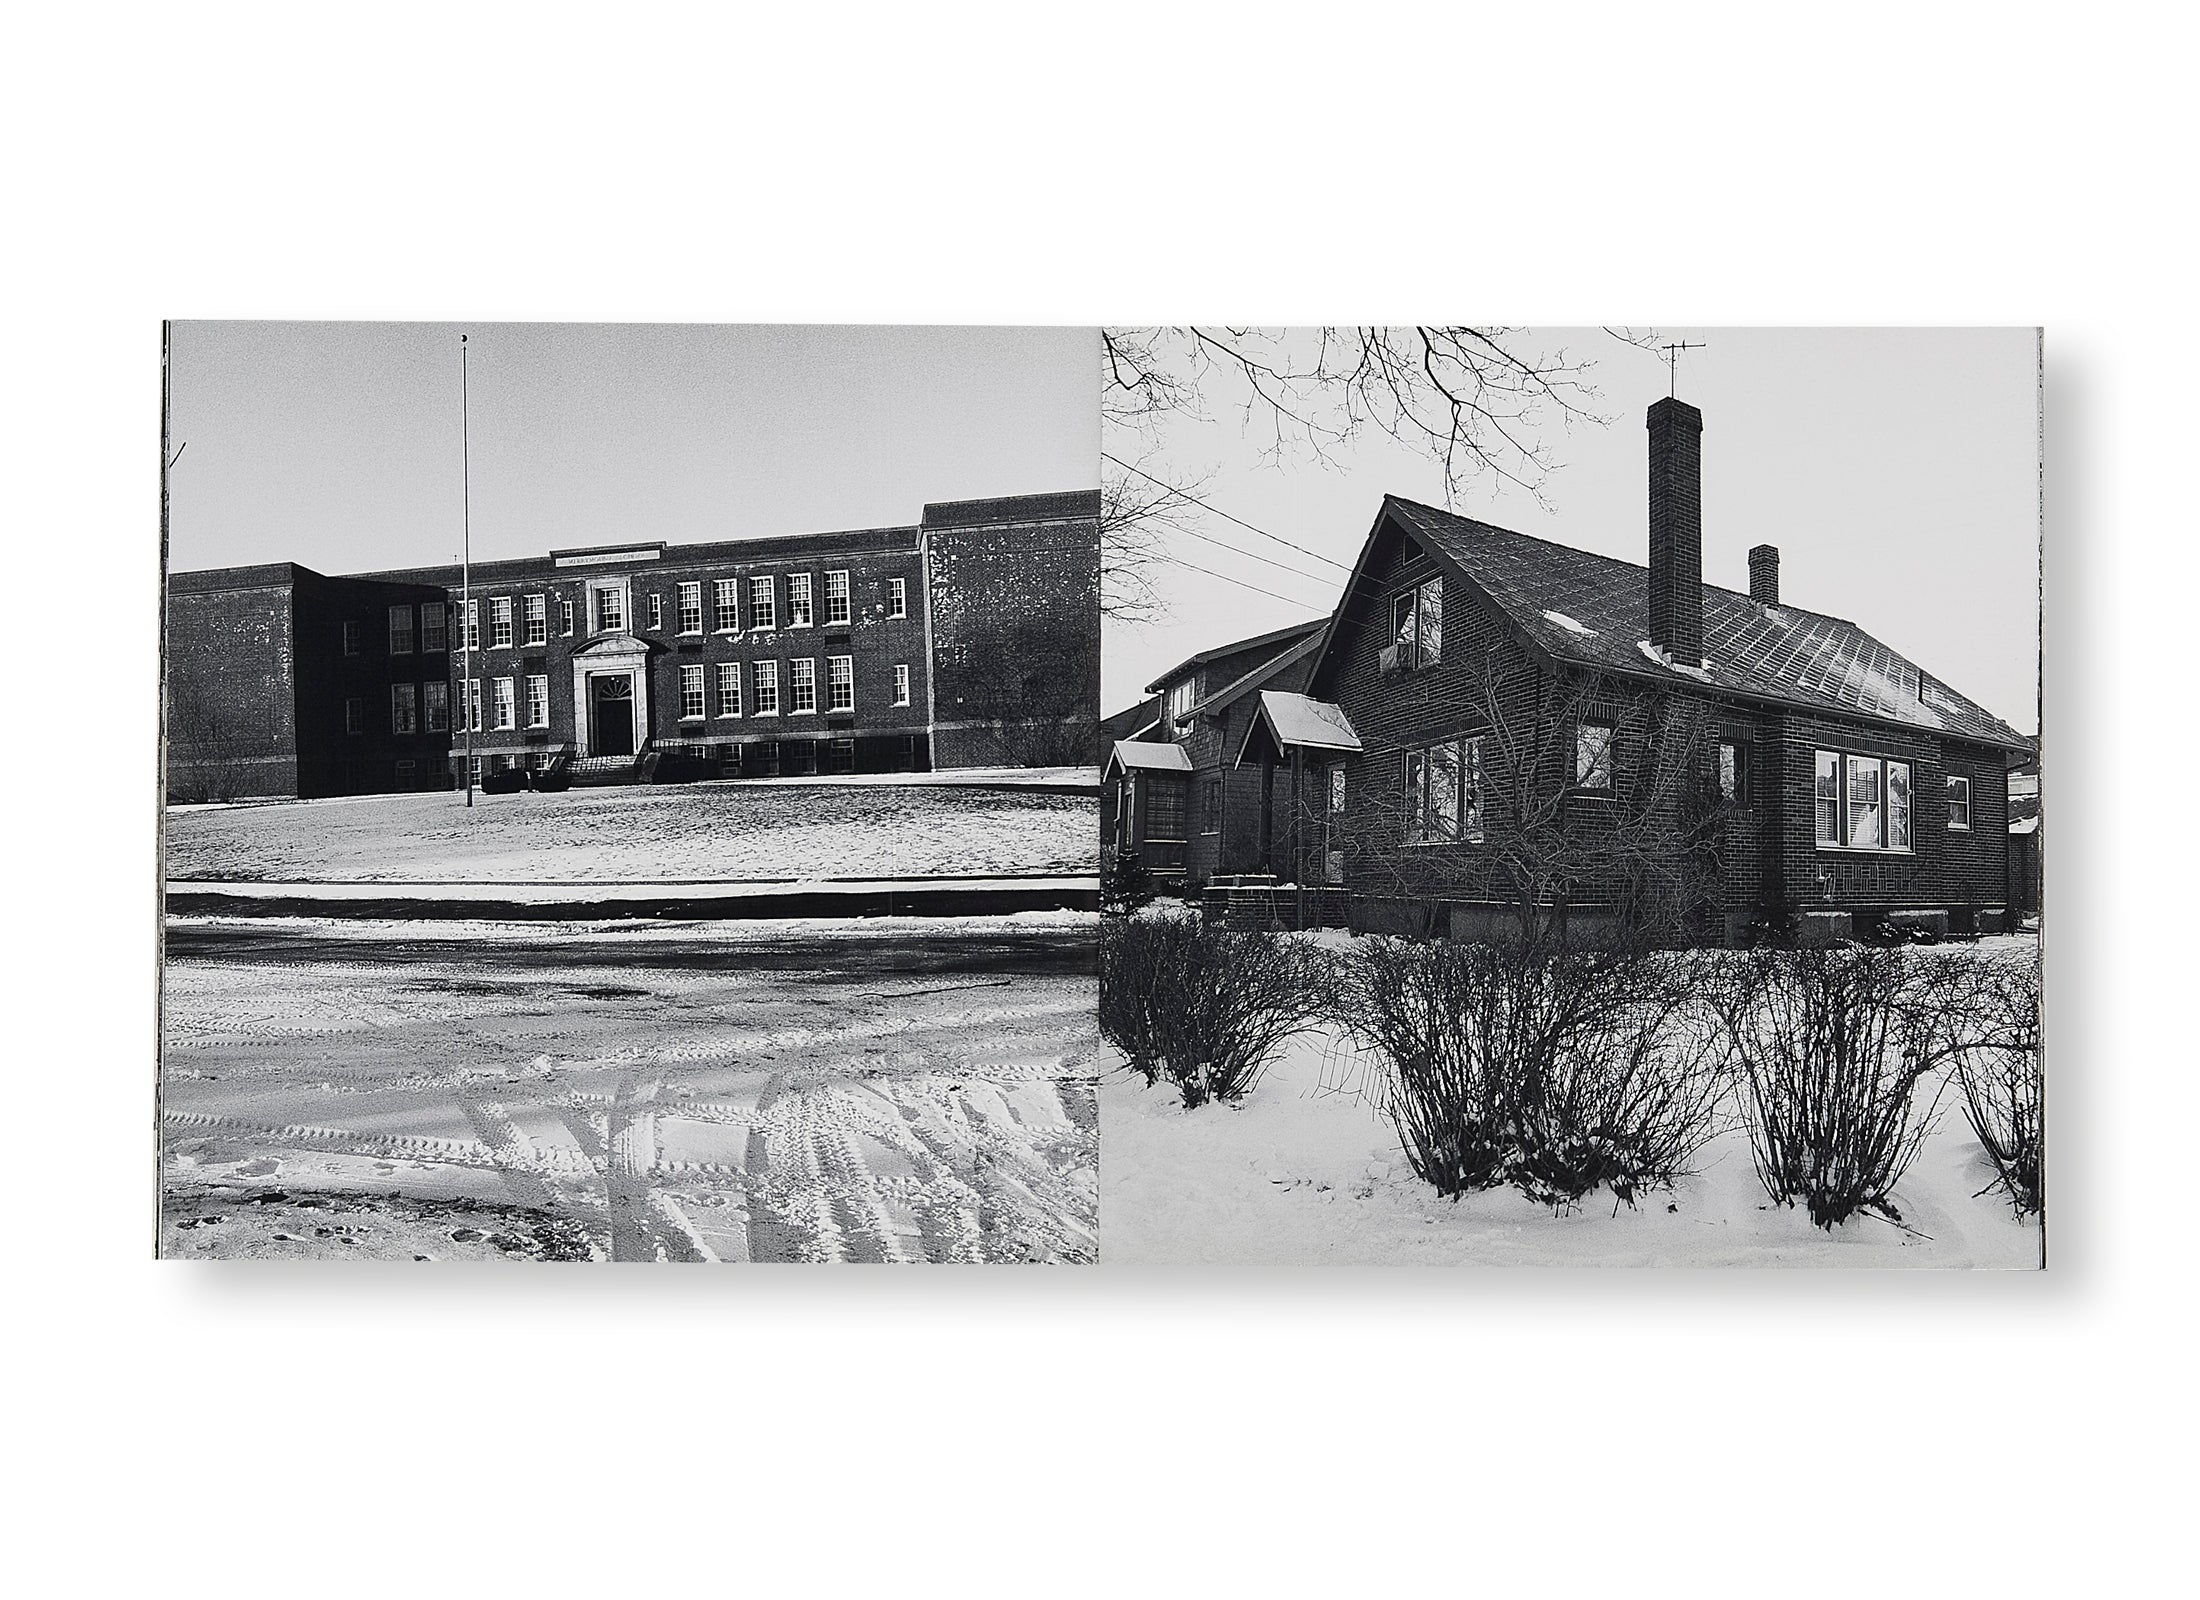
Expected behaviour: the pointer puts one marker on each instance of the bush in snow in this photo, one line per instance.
(1626, 1086)
(1833, 1046)
(1556, 1073)
(1986, 1018)
(1201, 1006)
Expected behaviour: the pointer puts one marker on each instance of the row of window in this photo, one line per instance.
(525, 619)
(763, 699)
(1863, 802)
(417, 706)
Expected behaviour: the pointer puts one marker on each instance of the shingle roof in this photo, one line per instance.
(1278, 637)
(1297, 719)
(1595, 610)
(1260, 674)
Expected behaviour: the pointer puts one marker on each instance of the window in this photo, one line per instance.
(435, 632)
(798, 599)
(436, 702)
(763, 606)
(1210, 805)
(538, 619)
(901, 683)
(767, 689)
(473, 624)
(1336, 787)
(355, 716)
(836, 597)
(406, 768)
(729, 688)
(1179, 711)
(1863, 802)
(505, 710)
(500, 622)
(840, 683)
(1734, 773)
(726, 605)
(401, 630)
(609, 601)
(691, 694)
(473, 704)
(474, 767)
(565, 615)
(1593, 757)
(1443, 792)
(351, 638)
(691, 608)
(1417, 624)
(897, 597)
(656, 611)
(404, 708)
(1165, 808)
(1959, 804)
(538, 701)
(801, 686)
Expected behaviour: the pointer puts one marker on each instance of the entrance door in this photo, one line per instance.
(612, 695)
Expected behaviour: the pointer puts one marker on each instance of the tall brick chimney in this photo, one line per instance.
(1764, 574)
(1676, 530)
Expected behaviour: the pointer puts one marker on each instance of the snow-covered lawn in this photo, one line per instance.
(670, 833)
(882, 1090)
(1305, 1170)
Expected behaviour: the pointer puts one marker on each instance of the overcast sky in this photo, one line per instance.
(337, 445)
(1896, 470)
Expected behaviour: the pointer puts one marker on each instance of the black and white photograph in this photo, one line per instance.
(631, 793)
(1573, 797)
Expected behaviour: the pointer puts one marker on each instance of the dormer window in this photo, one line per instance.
(1179, 707)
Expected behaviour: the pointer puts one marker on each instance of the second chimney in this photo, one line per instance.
(1676, 530)
(1764, 574)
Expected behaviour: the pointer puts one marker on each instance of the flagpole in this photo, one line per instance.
(466, 565)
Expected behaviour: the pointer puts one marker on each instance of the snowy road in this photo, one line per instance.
(818, 1091)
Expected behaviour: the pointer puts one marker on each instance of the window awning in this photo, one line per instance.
(1143, 755)
(1288, 722)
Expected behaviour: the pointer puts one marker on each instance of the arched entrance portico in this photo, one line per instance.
(611, 696)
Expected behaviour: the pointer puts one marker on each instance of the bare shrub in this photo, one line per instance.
(1556, 1073)
(1985, 1015)
(1833, 1046)
(1204, 1007)
(1631, 1091)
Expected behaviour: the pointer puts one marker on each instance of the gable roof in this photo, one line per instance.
(1279, 637)
(1261, 673)
(1302, 721)
(1594, 611)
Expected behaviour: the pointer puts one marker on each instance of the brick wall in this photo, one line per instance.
(1014, 590)
(231, 683)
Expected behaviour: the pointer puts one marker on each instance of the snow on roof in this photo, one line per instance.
(1297, 719)
(2025, 825)
(1569, 624)
(1146, 756)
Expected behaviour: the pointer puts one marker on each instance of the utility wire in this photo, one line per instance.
(1179, 561)
(1218, 511)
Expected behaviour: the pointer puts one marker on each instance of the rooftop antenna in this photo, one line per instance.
(1672, 356)
(467, 702)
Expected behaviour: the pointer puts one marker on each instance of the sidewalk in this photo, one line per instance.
(583, 900)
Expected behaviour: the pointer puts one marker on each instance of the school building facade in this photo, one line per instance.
(969, 639)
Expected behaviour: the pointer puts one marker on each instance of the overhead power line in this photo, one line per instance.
(1226, 516)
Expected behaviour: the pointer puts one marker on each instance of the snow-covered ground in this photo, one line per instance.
(1305, 1170)
(686, 833)
(881, 1090)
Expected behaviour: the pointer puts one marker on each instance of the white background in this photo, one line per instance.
(361, 1430)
